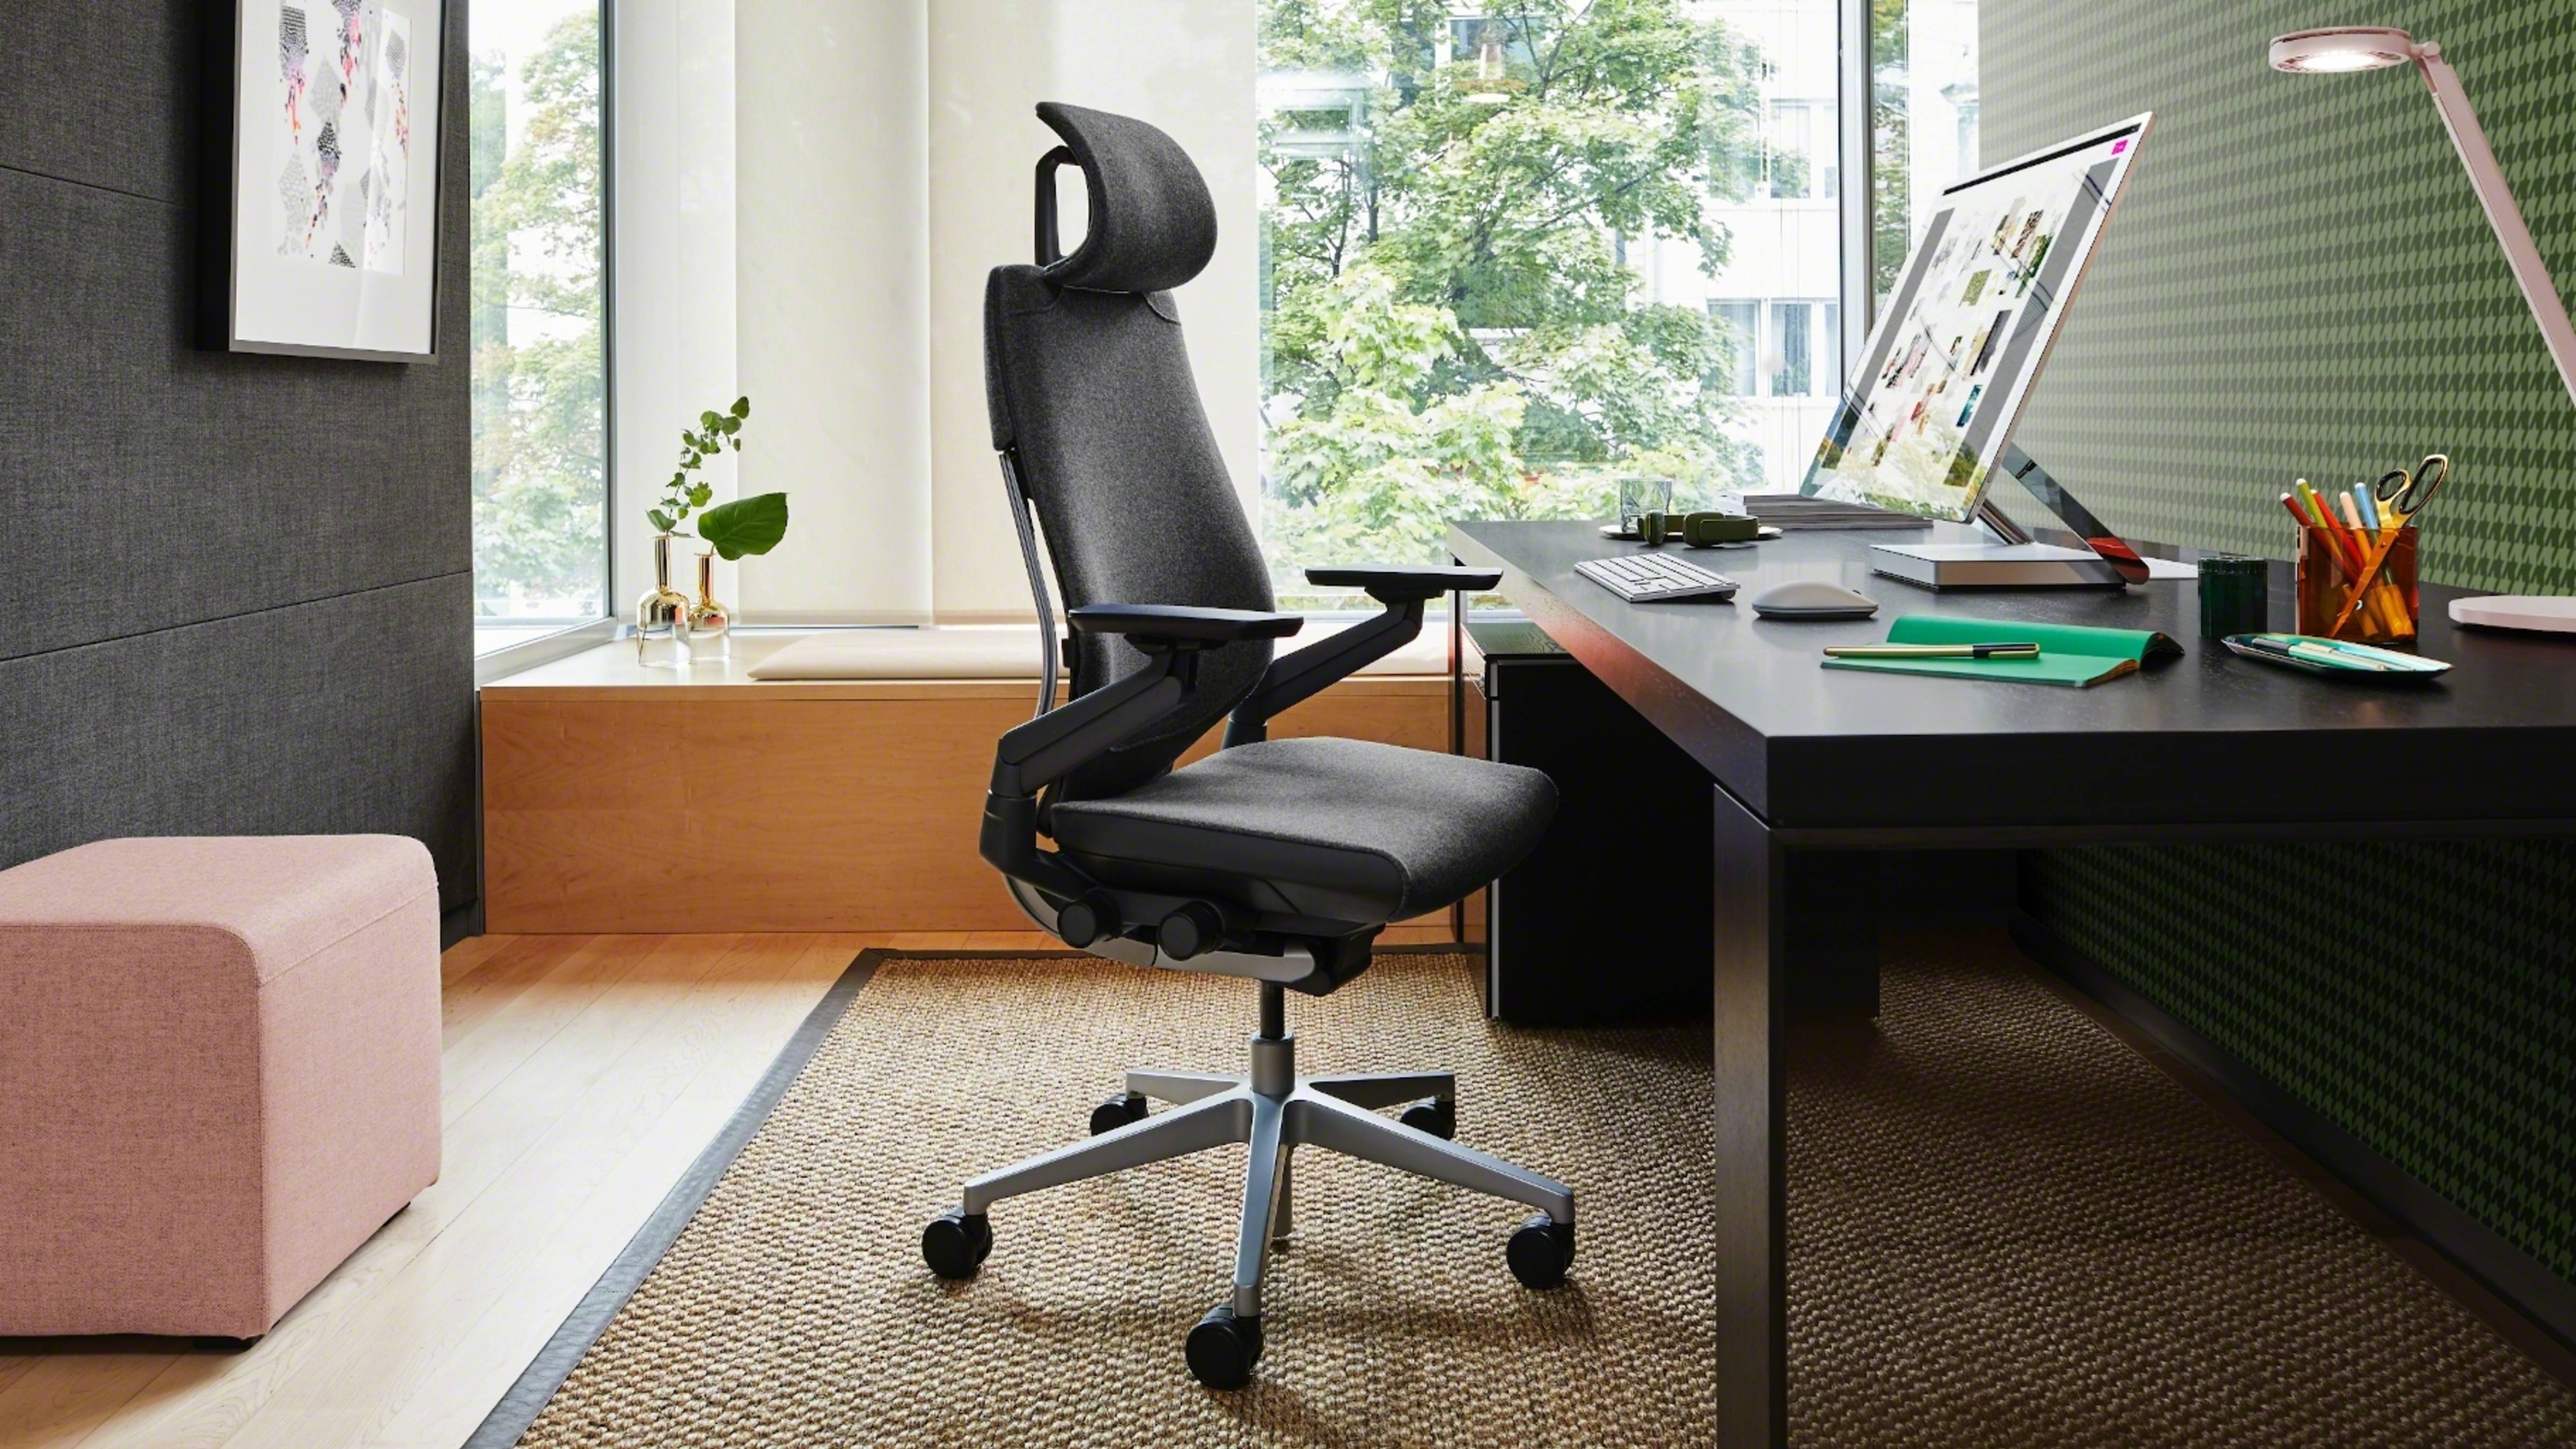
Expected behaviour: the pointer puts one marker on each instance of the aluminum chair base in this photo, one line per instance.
(1276, 1112)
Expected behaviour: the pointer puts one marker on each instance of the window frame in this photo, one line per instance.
(575, 637)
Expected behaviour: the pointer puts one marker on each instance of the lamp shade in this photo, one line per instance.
(2343, 48)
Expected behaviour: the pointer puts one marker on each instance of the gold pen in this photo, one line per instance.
(1933, 651)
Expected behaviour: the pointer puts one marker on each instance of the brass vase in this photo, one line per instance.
(710, 622)
(662, 615)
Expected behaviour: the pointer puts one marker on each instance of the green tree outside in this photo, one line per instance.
(1452, 325)
(540, 404)
(1891, 145)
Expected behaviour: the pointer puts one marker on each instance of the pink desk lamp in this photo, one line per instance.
(2370, 47)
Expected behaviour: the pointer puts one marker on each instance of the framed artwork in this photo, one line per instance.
(322, 167)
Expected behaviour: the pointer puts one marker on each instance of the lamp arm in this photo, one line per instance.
(2529, 271)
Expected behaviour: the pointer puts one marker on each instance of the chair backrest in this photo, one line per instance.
(1092, 402)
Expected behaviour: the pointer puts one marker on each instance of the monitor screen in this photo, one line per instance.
(1926, 416)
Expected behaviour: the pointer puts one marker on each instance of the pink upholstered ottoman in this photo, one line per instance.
(218, 1075)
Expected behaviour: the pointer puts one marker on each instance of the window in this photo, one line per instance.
(1774, 347)
(1923, 120)
(1799, 151)
(540, 355)
(1738, 369)
(1793, 349)
(1510, 258)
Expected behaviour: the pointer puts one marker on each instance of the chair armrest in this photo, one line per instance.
(1043, 750)
(1181, 626)
(1396, 583)
(1402, 588)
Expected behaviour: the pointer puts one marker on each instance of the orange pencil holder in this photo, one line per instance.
(2371, 600)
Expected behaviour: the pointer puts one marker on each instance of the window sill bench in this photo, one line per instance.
(624, 798)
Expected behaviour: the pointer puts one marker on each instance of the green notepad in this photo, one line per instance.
(2069, 654)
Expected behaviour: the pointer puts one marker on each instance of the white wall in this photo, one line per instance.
(814, 226)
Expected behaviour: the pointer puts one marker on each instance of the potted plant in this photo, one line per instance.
(667, 621)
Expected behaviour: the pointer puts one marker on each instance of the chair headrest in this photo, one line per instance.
(1153, 226)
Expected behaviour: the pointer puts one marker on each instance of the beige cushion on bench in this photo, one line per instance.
(1006, 651)
(218, 1075)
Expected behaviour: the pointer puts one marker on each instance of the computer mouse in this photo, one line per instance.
(1812, 599)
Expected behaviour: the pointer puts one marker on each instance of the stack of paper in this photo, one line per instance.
(1796, 510)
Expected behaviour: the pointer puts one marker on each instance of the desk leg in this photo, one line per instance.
(1752, 1140)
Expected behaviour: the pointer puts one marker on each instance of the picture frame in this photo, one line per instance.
(319, 229)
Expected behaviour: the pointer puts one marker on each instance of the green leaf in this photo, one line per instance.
(677, 479)
(690, 460)
(742, 407)
(662, 522)
(706, 420)
(745, 526)
(728, 425)
(699, 495)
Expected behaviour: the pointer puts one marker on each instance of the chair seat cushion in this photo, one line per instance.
(1345, 830)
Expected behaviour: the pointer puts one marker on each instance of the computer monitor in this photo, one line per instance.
(1928, 413)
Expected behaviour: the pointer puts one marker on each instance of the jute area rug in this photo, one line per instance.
(2006, 1229)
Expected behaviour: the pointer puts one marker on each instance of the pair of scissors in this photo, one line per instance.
(2417, 488)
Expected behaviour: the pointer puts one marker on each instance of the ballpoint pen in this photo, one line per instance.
(1934, 651)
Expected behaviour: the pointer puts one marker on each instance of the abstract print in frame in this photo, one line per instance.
(328, 111)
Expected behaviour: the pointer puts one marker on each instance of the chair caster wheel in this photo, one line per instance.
(1117, 1112)
(1223, 1348)
(955, 1245)
(1435, 1115)
(1540, 1252)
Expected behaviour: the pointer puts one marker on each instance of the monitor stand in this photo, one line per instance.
(2091, 556)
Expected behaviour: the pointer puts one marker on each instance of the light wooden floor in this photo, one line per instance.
(583, 1075)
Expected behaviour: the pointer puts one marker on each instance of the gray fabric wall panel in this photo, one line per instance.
(238, 586)
(353, 714)
(89, 90)
(177, 485)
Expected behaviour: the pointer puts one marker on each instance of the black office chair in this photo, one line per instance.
(1276, 861)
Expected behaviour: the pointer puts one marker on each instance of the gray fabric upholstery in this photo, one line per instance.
(1347, 830)
(1091, 393)
(1152, 224)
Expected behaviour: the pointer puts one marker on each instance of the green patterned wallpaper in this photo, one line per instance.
(2433, 1020)
(2300, 283)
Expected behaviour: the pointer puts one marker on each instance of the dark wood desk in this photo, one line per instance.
(2209, 747)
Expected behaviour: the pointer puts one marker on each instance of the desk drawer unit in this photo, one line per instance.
(1609, 919)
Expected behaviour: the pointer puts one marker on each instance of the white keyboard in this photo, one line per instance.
(1654, 578)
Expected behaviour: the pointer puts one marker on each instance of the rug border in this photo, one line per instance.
(571, 1342)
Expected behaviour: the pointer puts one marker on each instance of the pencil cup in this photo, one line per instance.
(2333, 566)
